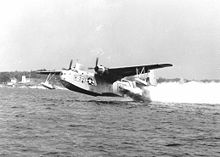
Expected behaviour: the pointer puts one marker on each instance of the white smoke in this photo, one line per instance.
(191, 92)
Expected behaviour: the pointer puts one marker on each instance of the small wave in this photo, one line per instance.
(190, 92)
(173, 145)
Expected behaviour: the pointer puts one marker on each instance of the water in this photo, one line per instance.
(36, 122)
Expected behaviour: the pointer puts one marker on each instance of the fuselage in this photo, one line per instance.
(86, 82)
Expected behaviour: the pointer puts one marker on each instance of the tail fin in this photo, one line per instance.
(152, 78)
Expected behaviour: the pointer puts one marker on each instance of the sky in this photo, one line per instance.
(36, 34)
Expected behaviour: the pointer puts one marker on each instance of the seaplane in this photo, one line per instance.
(131, 81)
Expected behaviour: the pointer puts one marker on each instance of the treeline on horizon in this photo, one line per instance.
(7, 76)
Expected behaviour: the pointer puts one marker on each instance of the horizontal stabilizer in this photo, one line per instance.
(136, 94)
(139, 81)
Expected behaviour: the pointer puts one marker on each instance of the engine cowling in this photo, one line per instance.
(100, 69)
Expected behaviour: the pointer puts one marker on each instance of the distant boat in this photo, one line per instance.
(12, 82)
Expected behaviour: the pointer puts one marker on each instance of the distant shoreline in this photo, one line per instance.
(6, 77)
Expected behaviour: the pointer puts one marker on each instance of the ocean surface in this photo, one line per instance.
(61, 123)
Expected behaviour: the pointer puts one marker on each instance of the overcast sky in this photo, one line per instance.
(37, 34)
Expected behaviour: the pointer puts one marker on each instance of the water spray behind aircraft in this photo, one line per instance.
(147, 87)
(188, 92)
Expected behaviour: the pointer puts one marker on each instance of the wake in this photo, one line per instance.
(190, 92)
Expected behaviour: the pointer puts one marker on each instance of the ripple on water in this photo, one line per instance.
(62, 123)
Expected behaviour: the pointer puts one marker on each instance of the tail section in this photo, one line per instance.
(152, 78)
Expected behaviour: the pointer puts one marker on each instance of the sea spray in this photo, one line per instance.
(190, 92)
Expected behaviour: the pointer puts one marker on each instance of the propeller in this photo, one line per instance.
(97, 61)
(99, 69)
(96, 65)
(70, 65)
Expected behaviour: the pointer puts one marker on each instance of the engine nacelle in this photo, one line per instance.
(100, 69)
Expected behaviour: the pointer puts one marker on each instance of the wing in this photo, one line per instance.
(114, 74)
(47, 72)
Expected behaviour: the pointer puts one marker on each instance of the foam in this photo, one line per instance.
(190, 92)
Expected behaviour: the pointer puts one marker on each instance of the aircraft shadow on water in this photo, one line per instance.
(129, 81)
